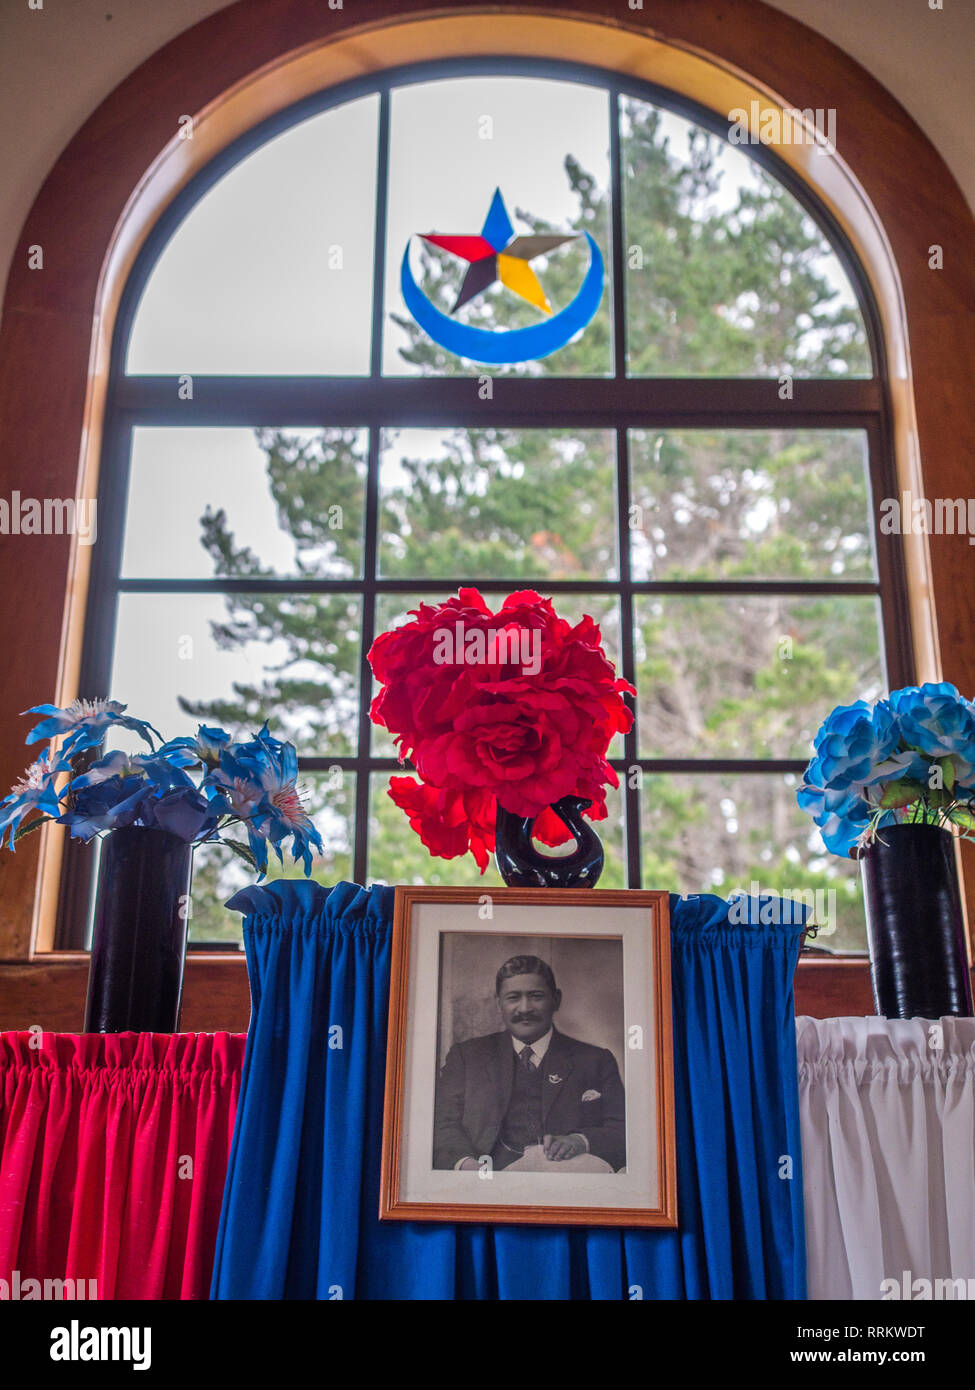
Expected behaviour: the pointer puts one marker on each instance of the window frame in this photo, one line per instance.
(617, 403)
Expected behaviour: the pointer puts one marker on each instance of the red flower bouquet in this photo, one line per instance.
(513, 709)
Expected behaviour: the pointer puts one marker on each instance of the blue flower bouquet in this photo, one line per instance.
(909, 759)
(196, 788)
(894, 782)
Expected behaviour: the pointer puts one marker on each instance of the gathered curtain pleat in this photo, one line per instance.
(888, 1129)
(113, 1155)
(300, 1212)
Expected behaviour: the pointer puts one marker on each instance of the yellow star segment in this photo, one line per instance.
(519, 277)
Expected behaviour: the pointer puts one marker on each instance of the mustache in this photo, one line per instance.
(526, 1018)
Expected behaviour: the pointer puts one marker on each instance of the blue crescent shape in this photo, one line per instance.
(517, 344)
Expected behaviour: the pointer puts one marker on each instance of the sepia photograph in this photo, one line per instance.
(529, 1068)
(514, 1088)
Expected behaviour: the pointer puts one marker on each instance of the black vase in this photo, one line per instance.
(918, 960)
(135, 981)
(522, 866)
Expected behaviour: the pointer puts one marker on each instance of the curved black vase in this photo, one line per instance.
(522, 866)
(135, 981)
(918, 960)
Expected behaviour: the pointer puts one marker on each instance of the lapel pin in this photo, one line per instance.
(554, 1078)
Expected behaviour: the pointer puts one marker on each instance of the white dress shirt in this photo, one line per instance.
(539, 1047)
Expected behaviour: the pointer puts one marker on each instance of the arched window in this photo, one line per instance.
(291, 462)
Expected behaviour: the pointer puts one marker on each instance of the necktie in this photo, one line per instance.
(527, 1058)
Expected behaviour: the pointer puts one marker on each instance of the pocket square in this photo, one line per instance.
(592, 1095)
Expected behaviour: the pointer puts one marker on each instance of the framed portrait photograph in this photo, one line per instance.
(529, 1072)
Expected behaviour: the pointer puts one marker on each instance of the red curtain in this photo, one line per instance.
(113, 1154)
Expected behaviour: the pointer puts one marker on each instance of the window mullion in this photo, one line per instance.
(369, 560)
(895, 618)
(379, 248)
(631, 794)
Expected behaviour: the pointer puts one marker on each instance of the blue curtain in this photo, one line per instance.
(299, 1217)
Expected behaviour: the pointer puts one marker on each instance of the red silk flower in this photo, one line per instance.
(514, 709)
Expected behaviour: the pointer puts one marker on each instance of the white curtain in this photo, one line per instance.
(887, 1109)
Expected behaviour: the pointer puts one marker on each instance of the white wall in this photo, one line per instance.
(61, 60)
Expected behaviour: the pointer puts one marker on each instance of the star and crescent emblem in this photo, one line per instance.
(498, 254)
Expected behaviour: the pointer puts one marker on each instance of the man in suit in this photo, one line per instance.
(504, 1093)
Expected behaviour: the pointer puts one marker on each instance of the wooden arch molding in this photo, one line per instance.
(886, 184)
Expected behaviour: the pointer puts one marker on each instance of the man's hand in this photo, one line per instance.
(558, 1146)
(469, 1165)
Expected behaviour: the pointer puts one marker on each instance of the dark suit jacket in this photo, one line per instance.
(475, 1086)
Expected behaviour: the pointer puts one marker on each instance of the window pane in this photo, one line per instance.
(705, 833)
(242, 503)
(398, 855)
(271, 272)
(329, 799)
(525, 505)
(727, 275)
(749, 677)
(239, 659)
(545, 145)
(750, 504)
(392, 610)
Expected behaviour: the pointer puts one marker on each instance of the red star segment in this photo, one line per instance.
(468, 248)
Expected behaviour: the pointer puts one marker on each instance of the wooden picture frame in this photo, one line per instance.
(552, 1131)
